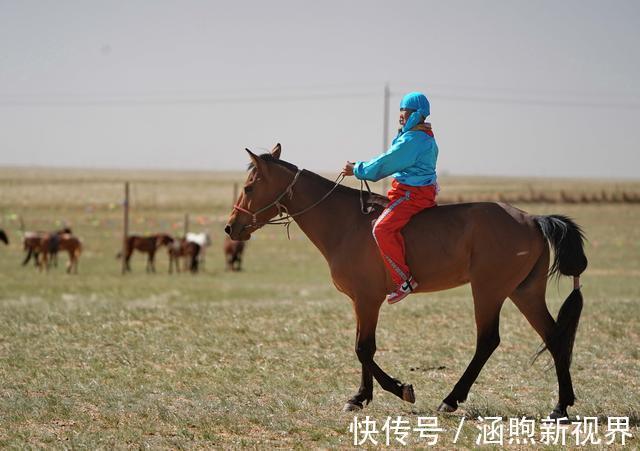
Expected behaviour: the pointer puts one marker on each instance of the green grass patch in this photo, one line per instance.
(264, 358)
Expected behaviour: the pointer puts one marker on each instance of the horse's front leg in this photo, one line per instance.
(367, 317)
(365, 393)
(45, 262)
(173, 260)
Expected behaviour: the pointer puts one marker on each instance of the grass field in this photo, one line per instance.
(265, 357)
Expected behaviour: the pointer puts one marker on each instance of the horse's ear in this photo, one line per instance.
(275, 152)
(258, 163)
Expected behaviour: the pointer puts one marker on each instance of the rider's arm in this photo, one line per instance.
(400, 155)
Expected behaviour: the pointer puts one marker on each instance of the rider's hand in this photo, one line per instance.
(348, 168)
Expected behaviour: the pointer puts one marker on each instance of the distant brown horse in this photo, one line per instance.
(147, 244)
(3, 237)
(183, 249)
(233, 251)
(64, 242)
(502, 251)
(32, 245)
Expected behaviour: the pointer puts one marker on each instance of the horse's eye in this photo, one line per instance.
(248, 189)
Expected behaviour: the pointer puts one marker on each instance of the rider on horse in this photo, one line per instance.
(411, 160)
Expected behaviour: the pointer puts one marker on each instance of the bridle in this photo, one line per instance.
(276, 203)
(288, 218)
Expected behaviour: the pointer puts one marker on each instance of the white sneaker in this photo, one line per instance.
(402, 291)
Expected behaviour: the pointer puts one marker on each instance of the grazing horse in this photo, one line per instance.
(64, 242)
(233, 253)
(147, 244)
(183, 248)
(3, 237)
(501, 250)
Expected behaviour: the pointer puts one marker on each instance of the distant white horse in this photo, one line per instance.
(203, 240)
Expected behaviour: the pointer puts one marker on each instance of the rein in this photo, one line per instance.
(288, 218)
(369, 209)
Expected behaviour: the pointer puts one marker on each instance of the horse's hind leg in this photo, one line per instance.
(127, 258)
(487, 312)
(150, 257)
(70, 262)
(529, 297)
(74, 255)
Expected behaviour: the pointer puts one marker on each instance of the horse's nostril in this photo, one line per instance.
(227, 229)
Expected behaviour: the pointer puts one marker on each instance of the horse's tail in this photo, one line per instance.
(28, 257)
(567, 240)
(128, 246)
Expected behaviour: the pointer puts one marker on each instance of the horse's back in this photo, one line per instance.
(444, 244)
(141, 243)
(482, 217)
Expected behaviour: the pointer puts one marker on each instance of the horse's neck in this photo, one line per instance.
(326, 223)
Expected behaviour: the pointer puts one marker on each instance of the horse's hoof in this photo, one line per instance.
(351, 407)
(444, 407)
(560, 414)
(408, 394)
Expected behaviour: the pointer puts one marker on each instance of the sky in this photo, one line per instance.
(522, 88)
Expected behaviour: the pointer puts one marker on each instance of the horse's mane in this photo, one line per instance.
(375, 198)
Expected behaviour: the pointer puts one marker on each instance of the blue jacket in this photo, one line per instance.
(411, 160)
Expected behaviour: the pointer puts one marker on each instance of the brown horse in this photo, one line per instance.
(64, 242)
(502, 251)
(147, 244)
(3, 237)
(183, 248)
(233, 251)
(32, 245)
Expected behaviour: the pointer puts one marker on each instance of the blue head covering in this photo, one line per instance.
(418, 102)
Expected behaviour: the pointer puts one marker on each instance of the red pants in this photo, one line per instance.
(404, 202)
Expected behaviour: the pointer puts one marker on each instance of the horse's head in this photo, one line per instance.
(163, 240)
(259, 200)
